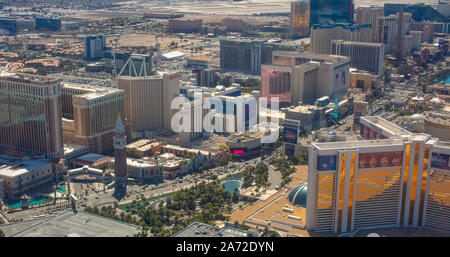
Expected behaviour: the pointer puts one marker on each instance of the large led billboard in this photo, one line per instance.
(368, 133)
(440, 161)
(326, 162)
(238, 152)
(290, 135)
(381, 159)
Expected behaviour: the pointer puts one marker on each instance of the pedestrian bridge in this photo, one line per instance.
(87, 172)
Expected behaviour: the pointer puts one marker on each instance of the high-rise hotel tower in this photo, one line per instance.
(30, 114)
(392, 178)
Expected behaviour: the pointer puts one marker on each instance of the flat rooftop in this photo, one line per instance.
(27, 78)
(198, 229)
(313, 56)
(70, 224)
(385, 125)
(92, 157)
(91, 92)
(357, 144)
(21, 167)
(246, 136)
(201, 58)
(307, 109)
(438, 118)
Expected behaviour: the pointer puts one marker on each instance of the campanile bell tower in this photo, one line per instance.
(120, 157)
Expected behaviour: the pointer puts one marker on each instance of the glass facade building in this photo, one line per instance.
(300, 15)
(48, 24)
(338, 11)
(276, 82)
(8, 26)
(419, 12)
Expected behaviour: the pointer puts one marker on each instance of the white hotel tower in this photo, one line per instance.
(392, 178)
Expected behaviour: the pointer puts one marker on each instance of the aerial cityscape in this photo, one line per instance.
(224, 118)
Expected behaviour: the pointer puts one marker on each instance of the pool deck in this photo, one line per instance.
(269, 212)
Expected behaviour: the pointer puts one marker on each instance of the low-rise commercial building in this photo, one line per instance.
(437, 125)
(145, 170)
(47, 24)
(233, 25)
(311, 117)
(25, 176)
(244, 145)
(92, 160)
(366, 81)
(8, 26)
(185, 25)
(144, 147)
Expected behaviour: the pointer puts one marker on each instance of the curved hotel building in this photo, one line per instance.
(391, 178)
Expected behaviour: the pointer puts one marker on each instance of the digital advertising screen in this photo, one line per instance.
(369, 133)
(326, 162)
(381, 159)
(239, 152)
(290, 135)
(440, 161)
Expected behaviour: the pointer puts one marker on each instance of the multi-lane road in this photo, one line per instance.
(90, 196)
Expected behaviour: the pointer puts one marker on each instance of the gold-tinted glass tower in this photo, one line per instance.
(300, 12)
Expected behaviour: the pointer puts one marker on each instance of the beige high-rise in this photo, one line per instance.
(370, 15)
(148, 100)
(90, 114)
(322, 35)
(363, 56)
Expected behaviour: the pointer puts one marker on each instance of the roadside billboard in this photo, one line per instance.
(381, 159)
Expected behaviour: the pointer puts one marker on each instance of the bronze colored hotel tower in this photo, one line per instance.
(30, 114)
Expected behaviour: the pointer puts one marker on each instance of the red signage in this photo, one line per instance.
(174, 76)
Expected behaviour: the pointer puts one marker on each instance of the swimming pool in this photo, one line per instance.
(230, 185)
(36, 200)
(61, 188)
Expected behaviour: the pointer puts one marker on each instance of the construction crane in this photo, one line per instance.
(156, 44)
(114, 48)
